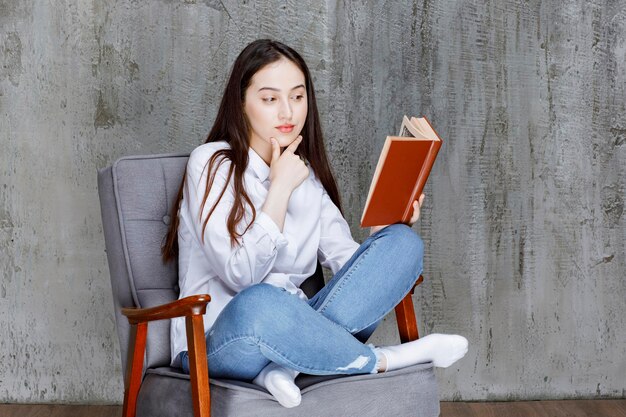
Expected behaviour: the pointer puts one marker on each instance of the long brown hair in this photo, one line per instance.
(231, 126)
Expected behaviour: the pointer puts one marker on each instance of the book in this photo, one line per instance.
(401, 173)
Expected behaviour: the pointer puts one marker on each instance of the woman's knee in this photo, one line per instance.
(255, 299)
(407, 248)
(408, 240)
(260, 291)
(258, 306)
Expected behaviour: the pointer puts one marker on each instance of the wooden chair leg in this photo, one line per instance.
(198, 366)
(405, 316)
(134, 367)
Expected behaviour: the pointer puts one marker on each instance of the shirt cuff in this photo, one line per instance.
(266, 222)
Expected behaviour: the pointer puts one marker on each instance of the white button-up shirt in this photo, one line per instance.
(313, 229)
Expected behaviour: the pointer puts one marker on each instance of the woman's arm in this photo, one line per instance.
(336, 243)
(253, 257)
(249, 261)
(276, 204)
(287, 172)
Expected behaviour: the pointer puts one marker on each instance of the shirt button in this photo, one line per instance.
(166, 219)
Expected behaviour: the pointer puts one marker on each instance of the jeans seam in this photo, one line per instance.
(406, 292)
(373, 239)
(231, 341)
(338, 288)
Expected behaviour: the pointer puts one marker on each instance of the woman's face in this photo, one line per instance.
(276, 104)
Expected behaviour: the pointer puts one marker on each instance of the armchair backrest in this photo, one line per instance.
(136, 197)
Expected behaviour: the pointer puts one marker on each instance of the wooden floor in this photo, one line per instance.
(578, 408)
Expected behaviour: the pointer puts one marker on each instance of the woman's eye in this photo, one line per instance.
(299, 97)
(268, 99)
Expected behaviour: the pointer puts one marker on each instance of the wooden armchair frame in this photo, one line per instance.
(193, 308)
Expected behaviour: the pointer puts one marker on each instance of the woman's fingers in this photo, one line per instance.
(417, 204)
(275, 150)
(287, 167)
(294, 145)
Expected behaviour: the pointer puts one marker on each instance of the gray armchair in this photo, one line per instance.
(136, 195)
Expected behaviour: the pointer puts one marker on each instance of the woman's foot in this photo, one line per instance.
(440, 349)
(279, 381)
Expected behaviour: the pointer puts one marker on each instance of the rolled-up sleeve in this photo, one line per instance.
(336, 243)
(246, 263)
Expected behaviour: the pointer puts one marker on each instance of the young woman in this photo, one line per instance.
(257, 208)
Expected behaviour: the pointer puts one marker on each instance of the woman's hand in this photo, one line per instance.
(287, 170)
(417, 204)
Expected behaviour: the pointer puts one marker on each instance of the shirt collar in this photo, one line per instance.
(261, 169)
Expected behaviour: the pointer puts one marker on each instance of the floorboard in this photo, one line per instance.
(564, 408)
(567, 408)
(56, 410)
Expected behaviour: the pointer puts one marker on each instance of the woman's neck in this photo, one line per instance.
(262, 148)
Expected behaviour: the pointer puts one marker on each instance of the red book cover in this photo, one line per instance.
(401, 173)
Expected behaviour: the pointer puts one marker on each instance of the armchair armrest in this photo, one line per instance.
(193, 309)
(189, 306)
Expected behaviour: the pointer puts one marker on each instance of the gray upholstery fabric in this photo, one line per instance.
(136, 196)
(408, 392)
(144, 189)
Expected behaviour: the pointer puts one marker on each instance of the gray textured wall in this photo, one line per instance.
(524, 217)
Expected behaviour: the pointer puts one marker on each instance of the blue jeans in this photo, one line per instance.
(326, 334)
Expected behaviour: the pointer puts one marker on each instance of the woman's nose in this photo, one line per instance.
(285, 111)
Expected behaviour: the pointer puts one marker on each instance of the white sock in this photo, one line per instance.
(279, 381)
(442, 349)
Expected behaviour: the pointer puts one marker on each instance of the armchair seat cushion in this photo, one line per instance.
(166, 392)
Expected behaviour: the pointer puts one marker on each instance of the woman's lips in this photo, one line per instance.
(285, 128)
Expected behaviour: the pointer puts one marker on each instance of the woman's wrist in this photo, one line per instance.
(276, 204)
(375, 229)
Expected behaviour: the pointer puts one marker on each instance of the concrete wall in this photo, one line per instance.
(524, 216)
